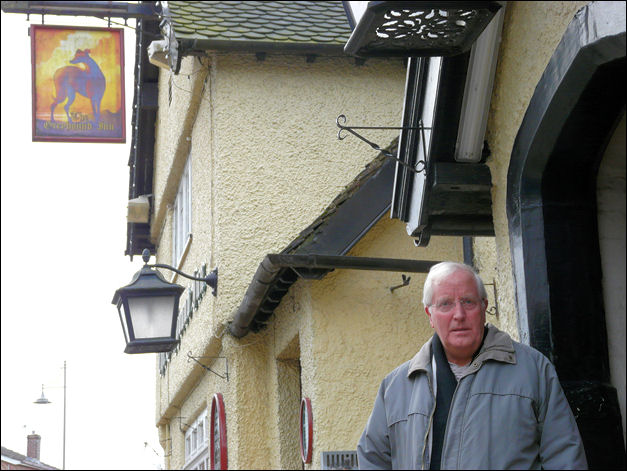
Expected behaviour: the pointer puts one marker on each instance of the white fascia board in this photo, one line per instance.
(478, 92)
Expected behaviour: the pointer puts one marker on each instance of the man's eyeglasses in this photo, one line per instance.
(447, 305)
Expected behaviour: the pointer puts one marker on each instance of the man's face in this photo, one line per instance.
(457, 313)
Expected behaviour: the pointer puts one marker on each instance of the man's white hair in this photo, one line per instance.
(443, 269)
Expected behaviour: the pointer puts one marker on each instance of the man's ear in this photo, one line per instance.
(429, 316)
(485, 308)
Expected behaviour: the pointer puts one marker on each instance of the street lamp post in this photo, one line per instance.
(44, 400)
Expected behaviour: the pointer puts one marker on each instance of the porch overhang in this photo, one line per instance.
(322, 247)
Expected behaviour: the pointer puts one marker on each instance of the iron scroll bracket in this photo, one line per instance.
(494, 310)
(226, 365)
(421, 165)
(406, 280)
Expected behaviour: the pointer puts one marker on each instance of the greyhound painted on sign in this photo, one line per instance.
(70, 80)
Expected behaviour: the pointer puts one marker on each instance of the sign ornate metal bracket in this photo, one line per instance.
(421, 165)
(226, 365)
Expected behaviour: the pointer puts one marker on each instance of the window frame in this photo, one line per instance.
(182, 215)
(197, 444)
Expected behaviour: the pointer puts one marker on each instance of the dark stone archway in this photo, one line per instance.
(552, 213)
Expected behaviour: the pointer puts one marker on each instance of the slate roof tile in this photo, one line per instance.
(304, 22)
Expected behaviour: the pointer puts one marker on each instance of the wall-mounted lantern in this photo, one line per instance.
(148, 307)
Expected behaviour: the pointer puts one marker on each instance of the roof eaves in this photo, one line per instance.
(193, 46)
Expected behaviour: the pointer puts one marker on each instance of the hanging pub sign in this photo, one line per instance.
(78, 84)
(217, 442)
(306, 430)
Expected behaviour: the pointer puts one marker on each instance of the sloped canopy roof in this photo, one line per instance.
(340, 226)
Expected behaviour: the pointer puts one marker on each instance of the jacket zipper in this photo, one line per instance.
(467, 373)
(447, 421)
(426, 439)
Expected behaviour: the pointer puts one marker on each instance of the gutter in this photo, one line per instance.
(307, 266)
(182, 47)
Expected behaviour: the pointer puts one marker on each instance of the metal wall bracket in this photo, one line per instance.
(226, 365)
(421, 165)
(181, 423)
(406, 280)
(494, 310)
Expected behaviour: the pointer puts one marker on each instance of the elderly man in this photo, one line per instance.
(471, 398)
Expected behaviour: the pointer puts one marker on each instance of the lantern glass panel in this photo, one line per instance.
(151, 316)
(123, 319)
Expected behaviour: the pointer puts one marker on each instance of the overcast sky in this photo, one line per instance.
(63, 239)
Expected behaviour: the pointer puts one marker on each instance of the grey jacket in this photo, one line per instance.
(508, 412)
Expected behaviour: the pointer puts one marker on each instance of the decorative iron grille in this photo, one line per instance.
(415, 29)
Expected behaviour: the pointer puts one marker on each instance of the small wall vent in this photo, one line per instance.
(339, 460)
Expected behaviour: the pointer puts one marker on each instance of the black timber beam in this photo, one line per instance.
(331, 262)
(99, 9)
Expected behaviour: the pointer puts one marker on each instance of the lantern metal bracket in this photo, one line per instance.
(211, 279)
(494, 310)
(226, 365)
(421, 165)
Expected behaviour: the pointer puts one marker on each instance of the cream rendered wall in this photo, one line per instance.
(531, 32)
(348, 331)
(485, 262)
(360, 331)
(178, 136)
(278, 164)
(175, 119)
(289, 325)
(199, 397)
(265, 163)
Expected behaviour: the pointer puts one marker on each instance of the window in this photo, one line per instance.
(182, 215)
(196, 444)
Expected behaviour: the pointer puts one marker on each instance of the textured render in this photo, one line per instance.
(348, 331)
(485, 262)
(265, 162)
(288, 407)
(277, 164)
(277, 160)
(531, 32)
(361, 331)
(175, 119)
(175, 134)
(289, 327)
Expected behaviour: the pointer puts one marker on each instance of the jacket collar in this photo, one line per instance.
(497, 346)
